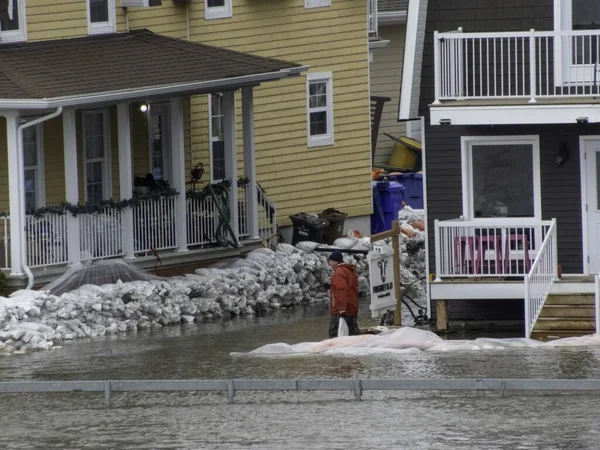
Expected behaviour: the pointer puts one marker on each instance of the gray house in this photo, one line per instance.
(509, 92)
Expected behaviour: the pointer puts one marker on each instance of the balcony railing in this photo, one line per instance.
(101, 234)
(528, 65)
(488, 248)
(372, 18)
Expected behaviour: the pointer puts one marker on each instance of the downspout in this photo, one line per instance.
(21, 169)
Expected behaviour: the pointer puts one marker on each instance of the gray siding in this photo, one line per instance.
(561, 197)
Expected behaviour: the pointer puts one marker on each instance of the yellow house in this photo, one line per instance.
(139, 102)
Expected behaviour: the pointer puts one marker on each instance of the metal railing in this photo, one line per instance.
(101, 234)
(202, 220)
(372, 18)
(4, 242)
(356, 386)
(267, 216)
(155, 224)
(540, 279)
(529, 64)
(484, 248)
(46, 240)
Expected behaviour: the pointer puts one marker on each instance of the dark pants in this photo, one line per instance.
(351, 321)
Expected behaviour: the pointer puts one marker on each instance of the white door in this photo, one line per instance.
(592, 177)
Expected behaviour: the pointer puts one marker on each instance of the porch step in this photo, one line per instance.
(570, 299)
(557, 334)
(568, 311)
(562, 324)
(566, 315)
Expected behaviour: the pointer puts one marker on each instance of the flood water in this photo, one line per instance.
(303, 420)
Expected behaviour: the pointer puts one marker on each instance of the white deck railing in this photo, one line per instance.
(529, 64)
(487, 248)
(372, 18)
(155, 225)
(202, 221)
(101, 234)
(4, 242)
(540, 279)
(46, 240)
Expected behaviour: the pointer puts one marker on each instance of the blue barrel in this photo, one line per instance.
(388, 197)
(413, 183)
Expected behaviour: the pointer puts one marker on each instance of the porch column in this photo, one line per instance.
(178, 182)
(15, 186)
(71, 183)
(126, 176)
(229, 135)
(250, 160)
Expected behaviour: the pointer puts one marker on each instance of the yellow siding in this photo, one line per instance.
(386, 75)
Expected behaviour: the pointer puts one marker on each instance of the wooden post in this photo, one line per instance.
(397, 280)
(442, 314)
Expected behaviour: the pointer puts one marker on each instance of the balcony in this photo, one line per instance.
(372, 19)
(554, 73)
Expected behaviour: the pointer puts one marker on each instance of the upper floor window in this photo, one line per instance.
(316, 3)
(12, 22)
(217, 9)
(101, 16)
(320, 109)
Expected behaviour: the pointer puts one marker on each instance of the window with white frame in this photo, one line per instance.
(501, 177)
(319, 107)
(33, 162)
(316, 3)
(217, 140)
(12, 23)
(217, 9)
(101, 16)
(160, 154)
(97, 161)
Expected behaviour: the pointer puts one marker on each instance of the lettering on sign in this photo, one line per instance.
(381, 274)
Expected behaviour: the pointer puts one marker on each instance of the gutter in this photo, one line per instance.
(20, 176)
(151, 91)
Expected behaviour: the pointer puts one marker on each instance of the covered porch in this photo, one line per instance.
(90, 95)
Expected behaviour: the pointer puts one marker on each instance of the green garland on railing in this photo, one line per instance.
(220, 188)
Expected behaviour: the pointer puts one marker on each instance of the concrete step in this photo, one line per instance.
(572, 324)
(557, 334)
(570, 299)
(569, 311)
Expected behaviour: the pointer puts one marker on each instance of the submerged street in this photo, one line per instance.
(291, 420)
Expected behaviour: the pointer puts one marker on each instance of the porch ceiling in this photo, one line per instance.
(124, 66)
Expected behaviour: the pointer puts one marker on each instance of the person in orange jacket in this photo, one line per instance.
(343, 302)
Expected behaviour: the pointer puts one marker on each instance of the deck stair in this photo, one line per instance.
(566, 315)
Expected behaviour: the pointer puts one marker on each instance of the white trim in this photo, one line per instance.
(467, 143)
(218, 12)
(102, 27)
(40, 191)
(211, 139)
(106, 169)
(381, 43)
(19, 35)
(524, 114)
(392, 17)
(325, 139)
(584, 192)
(477, 291)
(408, 65)
(195, 87)
(308, 4)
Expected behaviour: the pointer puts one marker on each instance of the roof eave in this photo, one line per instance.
(188, 88)
(391, 17)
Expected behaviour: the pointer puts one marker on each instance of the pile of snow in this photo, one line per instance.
(405, 340)
(32, 320)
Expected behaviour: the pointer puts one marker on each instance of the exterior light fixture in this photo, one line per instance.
(144, 107)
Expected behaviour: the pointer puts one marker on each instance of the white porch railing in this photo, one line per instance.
(529, 64)
(46, 240)
(487, 248)
(4, 242)
(155, 225)
(267, 217)
(372, 18)
(202, 221)
(101, 234)
(540, 279)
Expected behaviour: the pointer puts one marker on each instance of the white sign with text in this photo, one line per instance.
(381, 278)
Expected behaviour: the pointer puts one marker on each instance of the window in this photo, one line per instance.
(101, 16)
(217, 9)
(33, 167)
(95, 142)
(501, 177)
(320, 109)
(316, 3)
(12, 24)
(160, 141)
(217, 141)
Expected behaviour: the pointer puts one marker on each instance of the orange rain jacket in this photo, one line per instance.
(344, 290)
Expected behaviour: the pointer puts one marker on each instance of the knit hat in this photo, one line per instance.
(336, 256)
